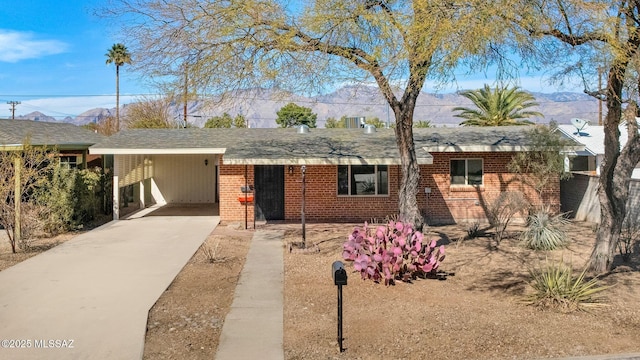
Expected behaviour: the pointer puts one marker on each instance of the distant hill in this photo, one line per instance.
(259, 106)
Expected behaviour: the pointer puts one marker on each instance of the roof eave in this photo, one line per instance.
(163, 151)
(428, 160)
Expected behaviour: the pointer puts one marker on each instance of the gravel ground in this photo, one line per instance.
(476, 313)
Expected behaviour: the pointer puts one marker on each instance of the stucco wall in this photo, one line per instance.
(186, 179)
(579, 197)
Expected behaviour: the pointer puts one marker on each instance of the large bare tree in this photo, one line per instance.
(581, 38)
(310, 46)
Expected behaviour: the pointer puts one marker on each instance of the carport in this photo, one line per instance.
(161, 167)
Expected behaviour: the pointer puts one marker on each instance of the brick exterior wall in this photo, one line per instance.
(445, 203)
(232, 179)
(451, 204)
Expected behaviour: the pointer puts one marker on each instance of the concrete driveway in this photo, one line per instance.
(89, 297)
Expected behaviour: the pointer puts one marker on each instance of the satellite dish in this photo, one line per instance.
(579, 124)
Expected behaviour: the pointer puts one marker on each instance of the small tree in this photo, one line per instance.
(376, 122)
(333, 123)
(239, 121)
(226, 121)
(292, 115)
(223, 121)
(544, 163)
(106, 125)
(149, 114)
(23, 171)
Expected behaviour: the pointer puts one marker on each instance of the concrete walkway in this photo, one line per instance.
(253, 329)
(89, 298)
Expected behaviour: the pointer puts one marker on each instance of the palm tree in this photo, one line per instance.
(119, 55)
(497, 107)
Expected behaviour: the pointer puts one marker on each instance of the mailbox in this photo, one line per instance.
(339, 273)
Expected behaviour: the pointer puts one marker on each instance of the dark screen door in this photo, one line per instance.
(269, 192)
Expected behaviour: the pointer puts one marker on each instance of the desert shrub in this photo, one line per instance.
(392, 252)
(87, 192)
(32, 224)
(211, 253)
(503, 209)
(544, 230)
(71, 198)
(58, 199)
(555, 286)
(474, 230)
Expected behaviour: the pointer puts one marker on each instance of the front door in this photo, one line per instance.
(269, 192)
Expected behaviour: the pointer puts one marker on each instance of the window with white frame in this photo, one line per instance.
(359, 180)
(466, 171)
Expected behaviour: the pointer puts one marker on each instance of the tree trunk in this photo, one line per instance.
(614, 176)
(117, 98)
(407, 195)
(17, 195)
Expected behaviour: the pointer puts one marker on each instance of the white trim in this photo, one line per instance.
(322, 161)
(489, 148)
(162, 151)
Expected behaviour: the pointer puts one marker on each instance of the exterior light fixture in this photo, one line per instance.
(206, 162)
(290, 169)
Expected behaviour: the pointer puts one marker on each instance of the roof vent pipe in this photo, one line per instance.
(369, 129)
(303, 129)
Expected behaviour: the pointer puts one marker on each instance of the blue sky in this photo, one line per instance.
(54, 51)
(52, 60)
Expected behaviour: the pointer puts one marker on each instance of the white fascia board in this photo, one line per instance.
(488, 148)
(475, 148)
(167, 151)
(321, 161)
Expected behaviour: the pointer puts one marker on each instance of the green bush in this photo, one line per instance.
(72, 197)
(555, 286)
(544, 231)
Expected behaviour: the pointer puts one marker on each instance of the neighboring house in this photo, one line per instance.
(579, 195)
(70, 140)
(352, 175)
(592, 137)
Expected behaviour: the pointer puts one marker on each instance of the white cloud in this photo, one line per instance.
(17, 45)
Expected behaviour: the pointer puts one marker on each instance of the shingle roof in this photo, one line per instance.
(318, 146)
(63, 135)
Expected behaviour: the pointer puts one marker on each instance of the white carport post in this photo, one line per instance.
(116, 188)
(141, 182)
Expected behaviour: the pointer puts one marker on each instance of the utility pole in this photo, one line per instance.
(13, 108)
(186, 93)
(600, 70)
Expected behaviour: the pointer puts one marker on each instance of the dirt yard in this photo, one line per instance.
(476, 313)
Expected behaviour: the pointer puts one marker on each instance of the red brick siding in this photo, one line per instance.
(445, 204)
(322, 202)
(232, 178)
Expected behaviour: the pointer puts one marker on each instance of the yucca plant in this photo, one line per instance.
(555, 286)
(544, 231)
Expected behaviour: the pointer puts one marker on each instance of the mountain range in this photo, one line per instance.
(259, 107)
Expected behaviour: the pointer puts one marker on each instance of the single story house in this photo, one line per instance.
(351, 175)
(71, 141)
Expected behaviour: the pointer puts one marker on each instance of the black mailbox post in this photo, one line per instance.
(339, 278)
